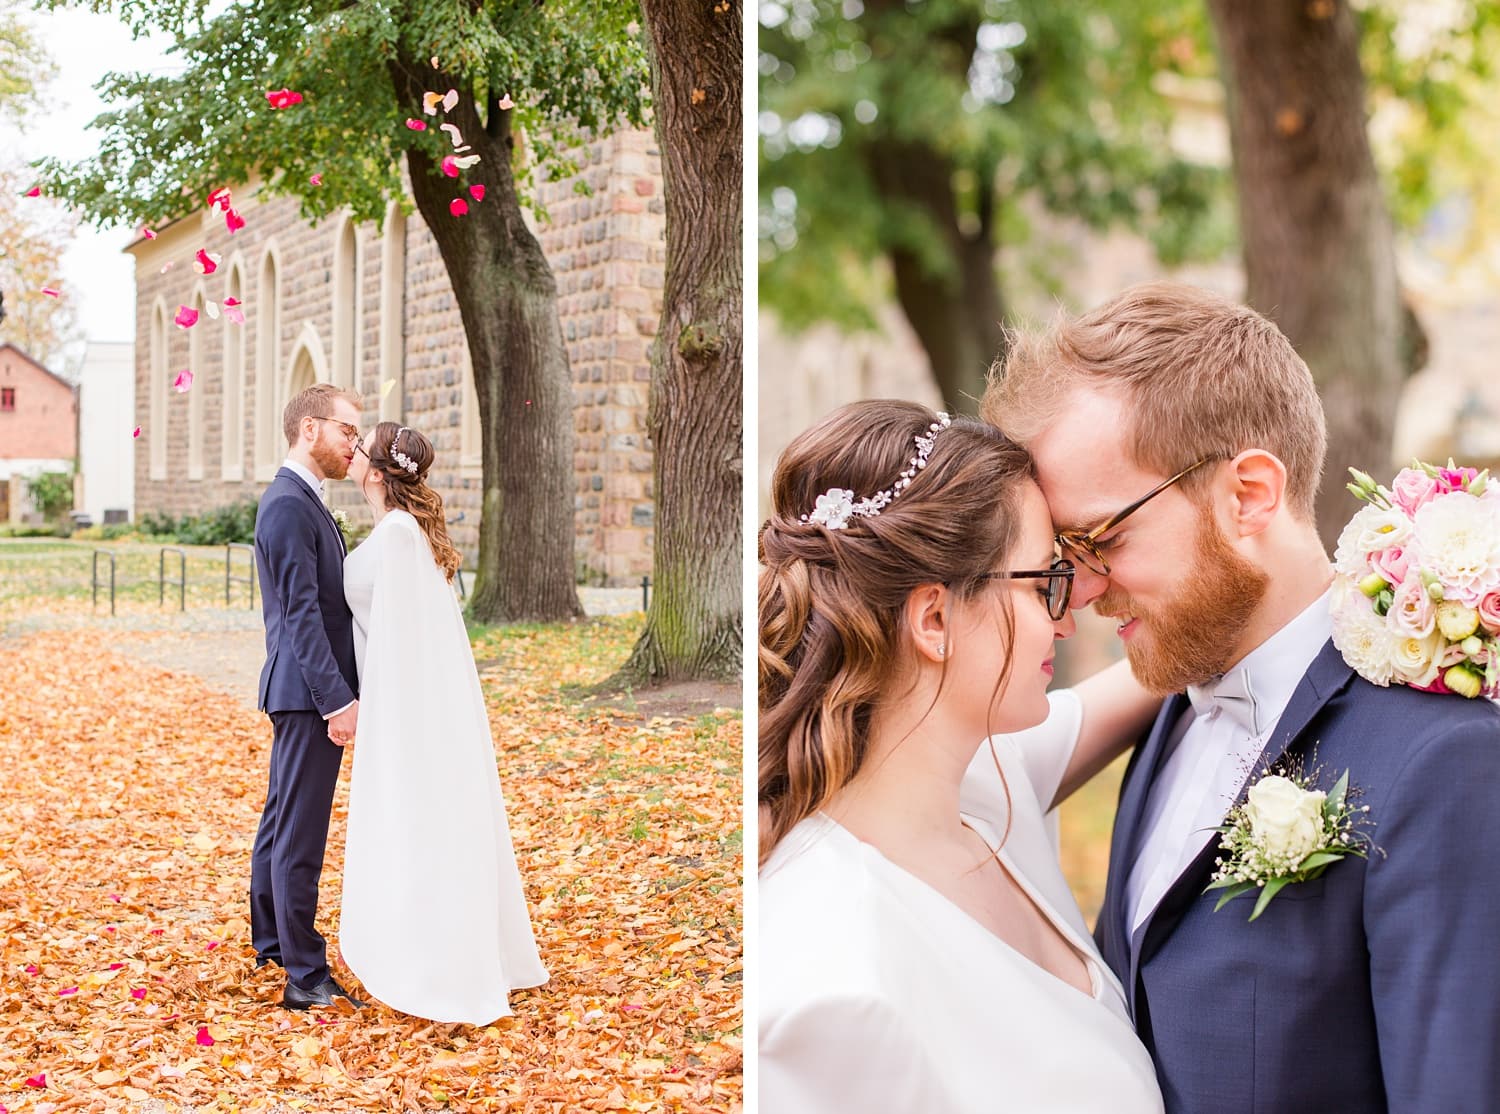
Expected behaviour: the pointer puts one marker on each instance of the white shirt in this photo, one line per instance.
(1214, 754)
(306, 476)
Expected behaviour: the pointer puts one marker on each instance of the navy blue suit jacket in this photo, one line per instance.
(309, 629)
(1375, 987)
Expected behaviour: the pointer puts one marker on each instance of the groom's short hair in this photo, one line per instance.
(313, 402)
(1204, 376)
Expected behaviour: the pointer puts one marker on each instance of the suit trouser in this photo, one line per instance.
(287, 861)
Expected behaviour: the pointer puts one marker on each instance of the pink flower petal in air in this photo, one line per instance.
(184, 381)
(51, 291)
(283, 98)
(233, 221)
(458, 207)
(138, 993)
(416, 125)
(186, 317)
(221, 198)
(450, 167)
(233, 312)
(476, 191)
(506, 103)
(212, 309)
(137, 432)
(146, 232)
(203, 1037)
(34, 191)
(206, 262)
(315, 180)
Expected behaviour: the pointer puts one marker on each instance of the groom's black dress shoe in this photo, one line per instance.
(295, 998)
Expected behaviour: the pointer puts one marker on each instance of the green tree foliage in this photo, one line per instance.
(550, 72)
(1003, 106)
(24, 65)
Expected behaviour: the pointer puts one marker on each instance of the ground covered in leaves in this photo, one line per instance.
(129, 803)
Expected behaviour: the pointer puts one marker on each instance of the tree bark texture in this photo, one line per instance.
(694, 624)
(957, 313)
(507, 298)
(1319, 258)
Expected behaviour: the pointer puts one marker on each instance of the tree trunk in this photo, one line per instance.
(956, 311)
(1319, 258)
(507, 298)
(694, 625)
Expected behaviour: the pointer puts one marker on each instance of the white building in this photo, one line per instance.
(106, 421)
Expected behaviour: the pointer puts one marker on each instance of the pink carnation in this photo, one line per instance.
(1489, 613)
(1413, 487)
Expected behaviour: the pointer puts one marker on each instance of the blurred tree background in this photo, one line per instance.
(971, 162)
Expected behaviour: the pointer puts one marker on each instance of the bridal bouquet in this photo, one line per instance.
(1417, 581)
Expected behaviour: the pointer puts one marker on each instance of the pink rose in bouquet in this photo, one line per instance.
(1489, 613)
(1411, 488)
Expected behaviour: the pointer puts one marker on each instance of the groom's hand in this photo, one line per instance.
(341, 726)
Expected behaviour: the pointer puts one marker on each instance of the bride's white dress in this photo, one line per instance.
(878, 994)
(434, 920)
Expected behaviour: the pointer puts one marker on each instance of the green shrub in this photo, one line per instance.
(233, 523)
(51, 493)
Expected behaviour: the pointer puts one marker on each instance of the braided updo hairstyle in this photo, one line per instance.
(408, 491)
(831, 601)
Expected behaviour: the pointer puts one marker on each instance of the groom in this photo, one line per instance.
(307, 686)
(1179, 441)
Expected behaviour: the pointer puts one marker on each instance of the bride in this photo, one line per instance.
(920, 950)
(434, 920)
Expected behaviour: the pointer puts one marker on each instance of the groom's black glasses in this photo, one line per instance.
(1085, 544)
(350, 432)
(1059, 584)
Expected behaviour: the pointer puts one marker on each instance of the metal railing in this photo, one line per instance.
(248, 578)
(97, 582)
(181, 581)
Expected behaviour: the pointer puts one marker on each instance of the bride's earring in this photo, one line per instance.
(942, 649)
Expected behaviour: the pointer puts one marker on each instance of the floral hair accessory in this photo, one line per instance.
(401, 459)
(1417, 581)
(836, 506)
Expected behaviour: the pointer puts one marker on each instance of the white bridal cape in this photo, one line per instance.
(434, 920)
(879, 995)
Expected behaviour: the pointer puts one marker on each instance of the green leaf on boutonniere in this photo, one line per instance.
(1334, 804)
(1234, 891)
(1273, 887)
(1316, 861)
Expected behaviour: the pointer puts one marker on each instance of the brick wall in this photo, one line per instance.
(44, 423)
(608, 254)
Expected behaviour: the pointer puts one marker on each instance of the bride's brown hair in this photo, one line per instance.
(408, 490)
(831, 601)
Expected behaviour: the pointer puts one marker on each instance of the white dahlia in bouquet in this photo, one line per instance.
(1416, 597)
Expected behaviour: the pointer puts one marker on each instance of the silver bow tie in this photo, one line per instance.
(1232, 695)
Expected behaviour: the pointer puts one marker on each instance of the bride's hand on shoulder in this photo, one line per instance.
(1117, 709)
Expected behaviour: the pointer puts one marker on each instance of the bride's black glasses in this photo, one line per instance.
(1059, 579)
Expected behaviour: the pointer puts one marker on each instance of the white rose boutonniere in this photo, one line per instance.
(1286, 832)
(346, 528)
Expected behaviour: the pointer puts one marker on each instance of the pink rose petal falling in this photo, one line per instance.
(450, 100)
(430, 102)
(458, 207)
(233, 221)
(220, 197)
(233, 312)
(186, 317)
(168, 265)
(51, 291)
(184, 381)
(283, 98)
(453, 134)
(476, 191)
(315, 180)
(206, 262)
(146, 232)
(34, 191)
(467, 161)
(416, 125)
(506, 103)
(138, 993)
(137, 432)
(450, 167)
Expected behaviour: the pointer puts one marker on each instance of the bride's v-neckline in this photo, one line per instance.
(1097, 983)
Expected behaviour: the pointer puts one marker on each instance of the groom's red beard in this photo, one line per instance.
(1197, 634)
(329, 454)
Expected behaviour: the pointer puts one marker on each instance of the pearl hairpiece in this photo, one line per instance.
(836, 506)
(401, 459)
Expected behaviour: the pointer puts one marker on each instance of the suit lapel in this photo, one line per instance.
(1328, 675)
(328, 518)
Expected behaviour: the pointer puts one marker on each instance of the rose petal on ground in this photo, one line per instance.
(184, 381)
(206, 262)
(415, 124)
(114, 966)
(186, 317)
(203, 1036)
(458, 207)
(67, 991)
(212, 944)
(506, 103)
(450, 167)
(51, 291)
(233, 221)
(138, 993)
(476, 191)
(37, 1080)
(32, 968)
